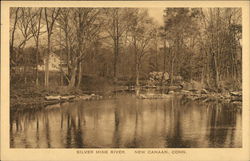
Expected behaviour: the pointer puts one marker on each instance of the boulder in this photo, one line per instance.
(174, 88)
(185, 91)
(155, 78)
(204, 91)
(84, 97)
(52, 98)
(153, 96)
(239, 93)
(170, 92)
(67, 97)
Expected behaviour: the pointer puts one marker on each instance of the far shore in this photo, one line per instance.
(36, 97)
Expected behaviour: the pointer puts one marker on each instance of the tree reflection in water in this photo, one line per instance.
(127, 122)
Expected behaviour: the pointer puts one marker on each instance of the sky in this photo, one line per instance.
(157, 14)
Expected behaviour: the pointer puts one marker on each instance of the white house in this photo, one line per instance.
(54, 63)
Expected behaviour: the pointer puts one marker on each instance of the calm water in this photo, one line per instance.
(128, 122)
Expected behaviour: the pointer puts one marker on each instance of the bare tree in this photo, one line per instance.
(36, 17)
(24, 25)
(141, 33)
(50, 18)
(14, 12)
(64, 21)
(86, 25)
(116, 25)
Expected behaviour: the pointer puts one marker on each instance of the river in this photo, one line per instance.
(127, 122)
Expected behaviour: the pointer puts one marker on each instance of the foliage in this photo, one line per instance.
(201, 44)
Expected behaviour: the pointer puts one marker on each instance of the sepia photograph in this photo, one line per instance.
(125, 77)
(137, 81)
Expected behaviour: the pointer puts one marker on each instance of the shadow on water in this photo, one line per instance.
(127, 122)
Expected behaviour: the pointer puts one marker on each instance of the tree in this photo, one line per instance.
(142, 31)
(36, 17)
(51, 15)
(64, 24)
(24, 25)
(180, 24)
(14, 14)
(221, 46)
(86, 24)
(116, 25)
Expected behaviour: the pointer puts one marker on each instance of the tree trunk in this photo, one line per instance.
(79, 75)
(137, 70)
(37, 62)
(73, 78)
(117, 54)
(172, 72)
(137, 88)
(216, 71)
(68, 52)
(13, 38)
(25, 63)
(164, 62)
(137, 75)
(25, 73)
(156, 56)
(37, 46)
(116, 42)
(61, 69)
(115, 59)
(47, 64)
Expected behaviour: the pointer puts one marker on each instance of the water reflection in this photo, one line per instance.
(127, 122)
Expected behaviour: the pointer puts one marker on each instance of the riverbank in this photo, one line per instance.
(204, 96)
(34, 97)
(38, 97)
(201, 96)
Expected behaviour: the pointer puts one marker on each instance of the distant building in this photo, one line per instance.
(54, 64)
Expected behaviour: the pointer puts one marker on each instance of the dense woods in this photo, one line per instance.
(125, 45)
(125, 78)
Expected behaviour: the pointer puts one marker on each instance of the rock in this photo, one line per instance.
(193, 90)
(174, 88)
(236, 98)
(204, 91)
(49, 98)
(157, 78)
(90, 97)
(185, 92)
(153, 96)
(170, 92)
(142, 96)
(236, 93)
(67, 97)
(52, 97)
(84, 97)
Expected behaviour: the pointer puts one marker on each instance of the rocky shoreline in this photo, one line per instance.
(230, 97)
(199, 95)
(41, 100)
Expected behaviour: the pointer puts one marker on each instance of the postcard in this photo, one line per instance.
(125, 80)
